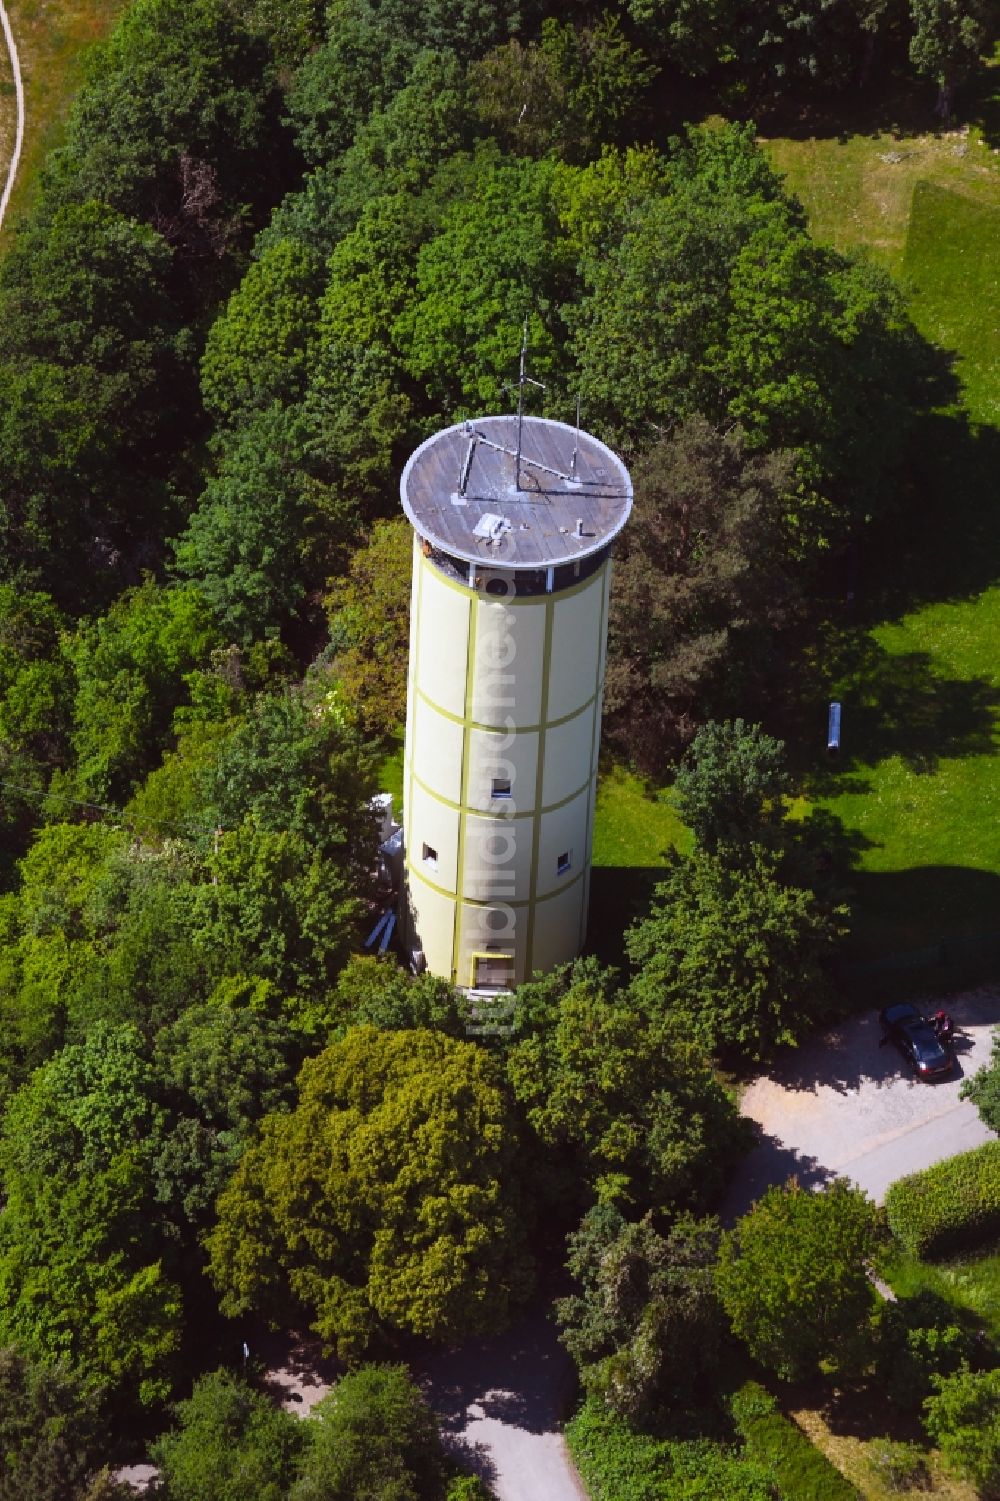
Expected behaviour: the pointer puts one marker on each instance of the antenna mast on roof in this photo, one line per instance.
(576, 440)
(523, 379)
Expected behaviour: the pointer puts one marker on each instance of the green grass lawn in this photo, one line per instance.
(52, 42)
(919, 788)
(922, 787)
(951, 267)
(971, 1283)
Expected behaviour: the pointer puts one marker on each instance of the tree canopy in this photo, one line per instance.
(384, 1201)
(793, 1276)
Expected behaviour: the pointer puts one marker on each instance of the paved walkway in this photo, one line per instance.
(501, 1402)
(842, 1105)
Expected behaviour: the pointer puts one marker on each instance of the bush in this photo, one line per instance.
(619, 1465)
(800, 1471)
(899, 1467)
(918, 1339)
(951, 1206)
(963, 1419)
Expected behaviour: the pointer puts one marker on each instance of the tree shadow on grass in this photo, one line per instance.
(943, 541)
(892, 704)
(619, 894)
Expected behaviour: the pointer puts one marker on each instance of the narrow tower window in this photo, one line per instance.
(563, 862)
(501, 787)
(430, 856)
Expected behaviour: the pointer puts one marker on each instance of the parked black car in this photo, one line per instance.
(917, 1040)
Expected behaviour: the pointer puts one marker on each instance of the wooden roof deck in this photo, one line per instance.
(543, 515)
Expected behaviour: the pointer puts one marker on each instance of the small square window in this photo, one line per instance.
(563, 862)
(430, 856)
(501, 787)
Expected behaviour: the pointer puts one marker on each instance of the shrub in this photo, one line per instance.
(918, 1339)
(948, 1207)
(963, 1419)
(619, 1465)
(800, 1471)
(899, 1467)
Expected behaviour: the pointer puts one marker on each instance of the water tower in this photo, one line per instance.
(513, 519)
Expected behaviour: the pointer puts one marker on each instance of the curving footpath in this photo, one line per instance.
(15, 66)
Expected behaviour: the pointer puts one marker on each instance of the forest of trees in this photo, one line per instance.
(280, 243)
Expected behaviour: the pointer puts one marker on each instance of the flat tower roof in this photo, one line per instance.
(459, 491)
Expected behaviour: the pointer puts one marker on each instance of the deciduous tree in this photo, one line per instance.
(627, 1098)
(793, 1276)
(646, 1326)
(731, 956)
(228, 1443)
(383, 1203)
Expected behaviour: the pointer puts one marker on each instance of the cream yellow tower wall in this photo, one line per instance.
(500, 771)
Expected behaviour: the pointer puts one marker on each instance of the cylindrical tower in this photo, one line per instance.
(513, 522)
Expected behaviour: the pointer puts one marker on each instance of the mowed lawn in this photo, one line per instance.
(920, 786)
(52, 42)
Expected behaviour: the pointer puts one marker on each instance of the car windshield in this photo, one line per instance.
(926, 1046)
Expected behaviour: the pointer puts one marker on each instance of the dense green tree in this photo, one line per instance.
(218, 1068)
(705, 589)
(382, 1203)
(81, 1277)
(731, 956)
(175, 125)
(292, 28)
(129, 668)
(229, 1443)
(568, 92)
(379, 993)
(48, 1432)
(497, 257)
(629, 1101)
(373, 1436)
(265, 531)
(89, 286)
(646, 1326)
(949, 37)
(676, 292)
(48, 941)
(731, 787)
(400, 147)
(355, 72)
(691, 34)
(295, 765)
(277, 909)
(369, 611)
(89, 329)
(793, 1276)
(963, 1419)
(35, 688)
(918, 1339)
(469, 27)
(260, 348)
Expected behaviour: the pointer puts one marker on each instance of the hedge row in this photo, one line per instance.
(800, 1471)
(951, 1206)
